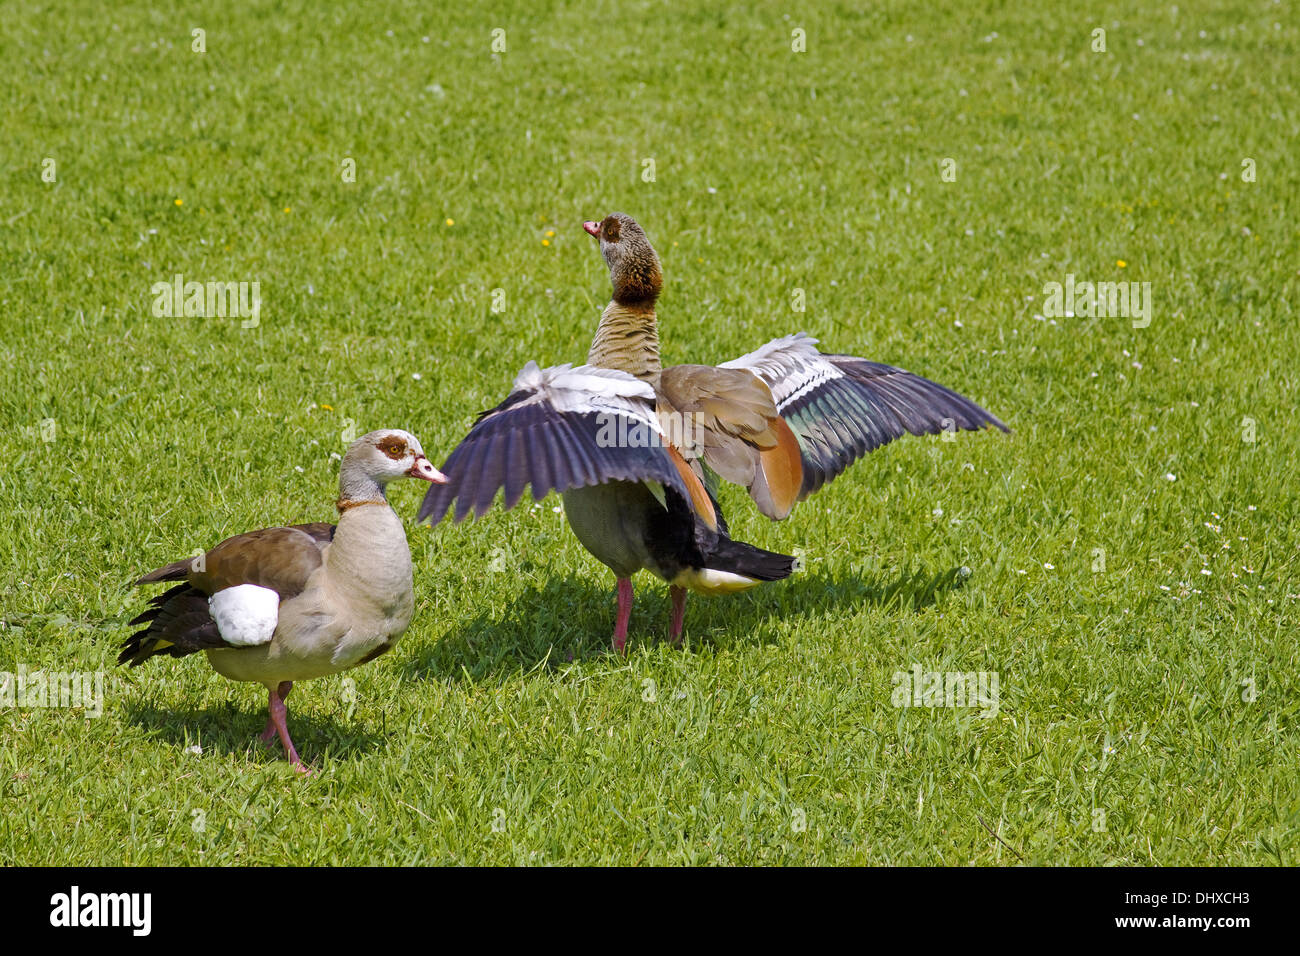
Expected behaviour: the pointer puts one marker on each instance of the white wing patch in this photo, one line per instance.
(246, 614)
(800, 382)
(587, 389)
(791, 366)
(771, 351)
(606, 382)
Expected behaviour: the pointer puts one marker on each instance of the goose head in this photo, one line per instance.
(385, 455)
(633, 266)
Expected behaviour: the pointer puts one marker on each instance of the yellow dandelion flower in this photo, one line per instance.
(546, 242)
(550, 232)
(328, 408)
(451, 222)
(1121, 263)
(286, 208)
(180, 202)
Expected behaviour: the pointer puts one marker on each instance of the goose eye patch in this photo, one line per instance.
(394, 448)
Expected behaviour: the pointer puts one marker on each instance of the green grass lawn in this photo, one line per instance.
(1131, 549)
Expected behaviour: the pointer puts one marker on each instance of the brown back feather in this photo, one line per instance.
(178, 620)
(281, 559)
(737, 430)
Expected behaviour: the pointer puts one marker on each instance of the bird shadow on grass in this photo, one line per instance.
(571, 619)
(230, 729)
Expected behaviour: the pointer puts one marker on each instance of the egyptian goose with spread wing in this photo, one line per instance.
(287, 604)
(623, 438)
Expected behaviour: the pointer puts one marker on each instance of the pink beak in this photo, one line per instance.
(423, 468)
(593, 228)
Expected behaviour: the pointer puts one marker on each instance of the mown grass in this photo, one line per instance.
(501, 730)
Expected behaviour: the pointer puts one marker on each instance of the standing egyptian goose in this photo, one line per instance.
(614, 437)
(286, 604)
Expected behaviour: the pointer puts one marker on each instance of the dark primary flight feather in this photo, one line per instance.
(553, 433)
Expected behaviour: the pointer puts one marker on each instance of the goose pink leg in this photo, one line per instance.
(279, 713)
(624, 613)
(679, 614)
(269, 733)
